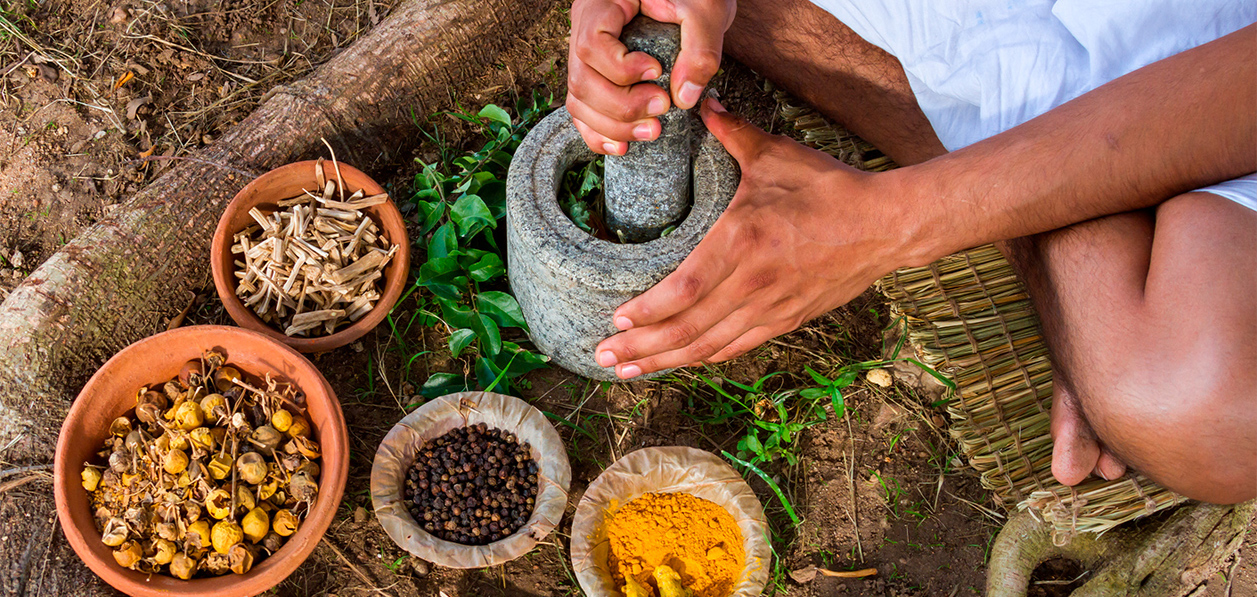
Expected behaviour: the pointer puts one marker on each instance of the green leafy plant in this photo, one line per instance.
(457, 205)
(580, 196)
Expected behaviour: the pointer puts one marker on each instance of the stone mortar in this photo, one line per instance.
(569, 283)
(648, 188)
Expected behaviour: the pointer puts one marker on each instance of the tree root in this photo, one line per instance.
(1168, 555)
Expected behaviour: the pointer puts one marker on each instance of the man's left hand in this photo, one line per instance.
(804, 234)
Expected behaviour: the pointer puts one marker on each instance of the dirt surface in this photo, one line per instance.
(882, 487)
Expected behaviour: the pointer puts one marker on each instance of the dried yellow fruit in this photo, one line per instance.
(225, 534)
(281, 420)
(175, 462)
(216, 563)
(202, 438)
(120, 427)
(189, 416)
(240, 558)
(309, 468)
(267, 489)
(155, 398)
(148, 413)
(219, 467)
(272, 542)
(285, 523)
(128, 554)
(179, 441)
(303, 487)
(115, 532)
(214, 406)
(224, 377)
(218, 504)
(163, 551)
(256, 524)
(266, 438)
(244, 498)
(91, 478)
(252, 468)
(182, 566)
(198, 534)
(300, 427)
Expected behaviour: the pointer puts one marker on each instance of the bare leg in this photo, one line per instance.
(810, 53)
(1152, 323)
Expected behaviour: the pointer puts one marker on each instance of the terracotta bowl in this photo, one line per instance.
(283, 183)
(110, 393)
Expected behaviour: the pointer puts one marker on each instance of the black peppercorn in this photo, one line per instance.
(473, 485)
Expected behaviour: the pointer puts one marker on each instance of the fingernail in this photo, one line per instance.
(641, 132)
(628, 371)
(651, 74)
(623, 323)
(715, 105)
(606, 358)
(657, 106)
(610, 148)
(689, 93)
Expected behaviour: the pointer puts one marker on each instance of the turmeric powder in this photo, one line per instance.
(695, 537)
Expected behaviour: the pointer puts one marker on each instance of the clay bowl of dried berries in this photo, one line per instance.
(112, 393)
(327, 216)
(471, 480)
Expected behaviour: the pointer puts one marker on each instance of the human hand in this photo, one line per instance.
(608, 104)
(803, 234)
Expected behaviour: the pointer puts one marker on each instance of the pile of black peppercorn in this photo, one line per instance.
(473, 485)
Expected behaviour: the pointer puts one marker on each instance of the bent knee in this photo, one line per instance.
(1193, 431)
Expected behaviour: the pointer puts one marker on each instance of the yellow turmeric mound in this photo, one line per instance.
(696, 538)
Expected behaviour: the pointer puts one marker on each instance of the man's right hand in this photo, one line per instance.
(608, 103)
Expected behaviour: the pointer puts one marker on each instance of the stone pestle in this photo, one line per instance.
(568, 282)
(647, 189)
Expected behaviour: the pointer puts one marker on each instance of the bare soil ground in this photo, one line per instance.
(882, 487)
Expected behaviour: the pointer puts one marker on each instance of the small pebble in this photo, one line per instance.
(879, 377)
(360, 515)
(421, 567)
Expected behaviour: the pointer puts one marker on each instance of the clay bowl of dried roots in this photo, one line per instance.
(313, 254)
(111, 393)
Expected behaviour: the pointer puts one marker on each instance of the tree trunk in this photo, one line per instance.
(1169, 555)
(124, 278)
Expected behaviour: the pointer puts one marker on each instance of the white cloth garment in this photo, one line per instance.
(981, 67)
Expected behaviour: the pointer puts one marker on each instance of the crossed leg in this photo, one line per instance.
(1151, 317)
(1151, 320)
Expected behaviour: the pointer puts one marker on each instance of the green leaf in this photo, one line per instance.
(751, 444)
(489, 267)
(443, 241)
(840, 405)
(518, 361)
(495, 114)
(454, 314)
(460, 339)
(490, 375)
(440, 384)
(820, 379)
(471, 215)
(502, 307)
(430, 214)
(845, 378)
(494, 195)
(487, 331)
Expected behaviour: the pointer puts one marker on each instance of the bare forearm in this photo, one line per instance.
(1184, 122)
